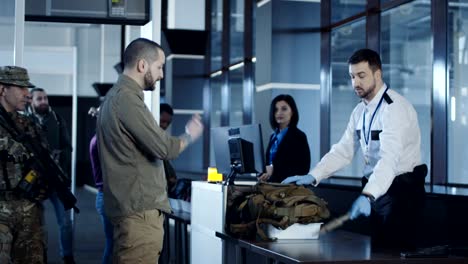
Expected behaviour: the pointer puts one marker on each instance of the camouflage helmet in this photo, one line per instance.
(14, 75)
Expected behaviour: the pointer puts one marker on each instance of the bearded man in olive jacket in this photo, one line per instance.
(132, 148)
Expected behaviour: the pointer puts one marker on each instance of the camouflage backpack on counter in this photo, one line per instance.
(251, 207)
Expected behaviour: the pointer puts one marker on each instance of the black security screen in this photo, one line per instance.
(232, 144)
(121, 12)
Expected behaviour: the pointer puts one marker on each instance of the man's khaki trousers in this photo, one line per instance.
(138, 238)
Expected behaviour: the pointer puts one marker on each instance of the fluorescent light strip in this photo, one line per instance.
(187, 111)
(452, 4)
(236, 66)
(288, 86)
(261, 3)
(216, 73)
(185, 56)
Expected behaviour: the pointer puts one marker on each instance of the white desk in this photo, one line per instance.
(208, 213)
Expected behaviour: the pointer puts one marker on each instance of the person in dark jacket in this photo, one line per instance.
(58, 138)
(288, 151)
(166, 114)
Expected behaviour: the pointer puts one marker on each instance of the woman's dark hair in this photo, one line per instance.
(290, 101)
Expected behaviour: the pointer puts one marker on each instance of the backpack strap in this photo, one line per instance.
(244, 230)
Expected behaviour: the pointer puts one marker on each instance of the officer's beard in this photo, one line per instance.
(370, 93)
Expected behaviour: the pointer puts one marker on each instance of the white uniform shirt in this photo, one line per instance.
(393, 147)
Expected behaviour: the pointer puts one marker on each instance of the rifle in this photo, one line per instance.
(40, 161)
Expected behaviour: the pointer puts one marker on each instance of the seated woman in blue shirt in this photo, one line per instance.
(288, 151)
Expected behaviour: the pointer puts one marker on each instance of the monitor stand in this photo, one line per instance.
(236, 169)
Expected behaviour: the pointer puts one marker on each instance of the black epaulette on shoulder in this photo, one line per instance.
(387, 98)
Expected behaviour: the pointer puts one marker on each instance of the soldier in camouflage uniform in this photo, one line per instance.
(22, 235)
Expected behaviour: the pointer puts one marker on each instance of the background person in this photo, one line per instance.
(385, 126)
(97, 175)
(288, 151)
(133, 171)
(166, 114)
(58, 137)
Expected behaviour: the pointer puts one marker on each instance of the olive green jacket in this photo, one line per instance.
(131, 149)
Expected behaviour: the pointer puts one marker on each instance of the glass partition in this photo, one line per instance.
(457, 113)
(215, 83)
(237, 32)
(344, 9)
(406, 51)
(345, 40)
(236, 79)
(216, 33)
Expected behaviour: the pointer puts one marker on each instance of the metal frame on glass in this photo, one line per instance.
(325, 77)
(248, 82)
(207, 89)
(439, 94)
(247, 104)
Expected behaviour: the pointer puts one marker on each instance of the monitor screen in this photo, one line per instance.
(228, 140)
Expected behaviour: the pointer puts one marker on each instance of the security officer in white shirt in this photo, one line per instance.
(385, 126)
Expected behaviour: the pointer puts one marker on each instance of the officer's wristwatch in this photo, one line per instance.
(369, 197)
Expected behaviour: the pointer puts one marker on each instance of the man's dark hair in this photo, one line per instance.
(36, 89)
(369, 56)
(166, 108)
(290, 101)
(138, 49)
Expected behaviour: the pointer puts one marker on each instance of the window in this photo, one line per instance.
(457, 110)
(216, 33)
(406, 52)
(236, 79)
(237, 31)
(345, 9)
(345, 40)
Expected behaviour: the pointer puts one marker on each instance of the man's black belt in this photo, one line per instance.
(417, 176)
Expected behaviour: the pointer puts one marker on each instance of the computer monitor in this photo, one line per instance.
(239, 148)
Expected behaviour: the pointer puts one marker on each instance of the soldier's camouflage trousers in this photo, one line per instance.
(22, 235)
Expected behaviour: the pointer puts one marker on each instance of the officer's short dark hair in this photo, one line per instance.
(164, 107)
(290, 101)
(366, 55)
(138, 49)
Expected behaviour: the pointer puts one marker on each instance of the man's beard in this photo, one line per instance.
(366, 94)
(149, 82)
(42, 109)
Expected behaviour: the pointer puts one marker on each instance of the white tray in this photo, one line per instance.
(295, 231)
